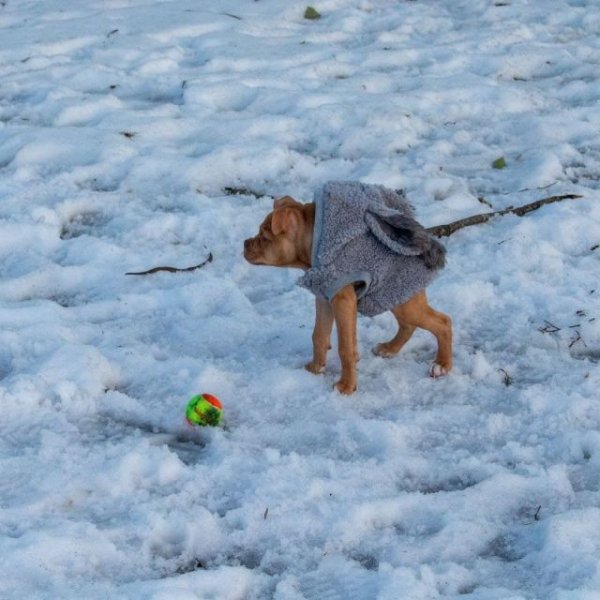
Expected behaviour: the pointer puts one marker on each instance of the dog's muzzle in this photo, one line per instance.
(250, 249)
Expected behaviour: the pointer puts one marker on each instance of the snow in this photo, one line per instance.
(139, 133)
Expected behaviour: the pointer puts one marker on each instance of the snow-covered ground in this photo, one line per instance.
(126, 129)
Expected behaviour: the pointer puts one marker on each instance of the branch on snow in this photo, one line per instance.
(450, 228)
(173, 269)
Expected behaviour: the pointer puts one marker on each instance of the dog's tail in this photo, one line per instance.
(434, 254)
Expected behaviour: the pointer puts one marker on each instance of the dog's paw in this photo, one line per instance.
(345, 387)
(315, 368)
(436, 370)
(383, 350)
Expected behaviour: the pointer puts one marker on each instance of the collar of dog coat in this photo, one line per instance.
(339, 217)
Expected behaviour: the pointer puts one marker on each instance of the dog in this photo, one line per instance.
(361, 250)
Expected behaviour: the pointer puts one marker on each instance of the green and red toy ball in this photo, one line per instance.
(204, 409)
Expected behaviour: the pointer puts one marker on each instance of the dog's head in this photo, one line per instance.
(284, 238)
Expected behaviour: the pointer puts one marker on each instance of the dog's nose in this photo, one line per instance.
(247, 243)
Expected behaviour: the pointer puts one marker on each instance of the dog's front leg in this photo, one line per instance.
(344, 311)
(321, 337)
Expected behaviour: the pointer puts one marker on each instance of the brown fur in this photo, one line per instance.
(284, 239)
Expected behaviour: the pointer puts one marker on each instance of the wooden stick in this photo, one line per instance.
(450, 228)
(173, 269)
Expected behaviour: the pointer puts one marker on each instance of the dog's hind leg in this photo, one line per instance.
(417, 313)
(391, 348)
(441, 326)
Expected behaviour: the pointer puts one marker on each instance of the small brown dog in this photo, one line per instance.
(291, 235)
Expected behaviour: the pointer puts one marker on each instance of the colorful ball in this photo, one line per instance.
(204, 409)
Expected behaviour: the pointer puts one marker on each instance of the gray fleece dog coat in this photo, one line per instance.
(366, 235)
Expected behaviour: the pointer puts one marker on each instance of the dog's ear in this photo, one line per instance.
(285, 201)
(286, 219)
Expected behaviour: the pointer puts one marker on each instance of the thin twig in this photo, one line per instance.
(450, 228)
(173, 269)
(548, 328)
(242, 191)
(577, 338)
(507, 378)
